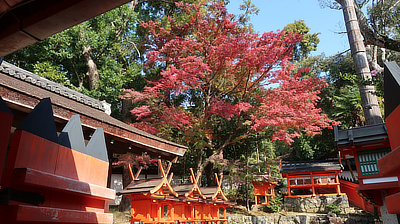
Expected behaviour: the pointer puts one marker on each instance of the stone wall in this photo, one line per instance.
(301, 219)
(316, 204)
(272, 219)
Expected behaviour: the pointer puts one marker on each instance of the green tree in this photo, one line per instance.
(213, 92)
(378, 22)
(98, 57)
(308, 43)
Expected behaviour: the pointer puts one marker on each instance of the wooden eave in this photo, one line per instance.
(141, 186)
(360, 136)
(155, 186)
(24, 22)
(215, 193)
(21, 96)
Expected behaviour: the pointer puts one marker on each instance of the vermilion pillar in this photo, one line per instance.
(6, 118)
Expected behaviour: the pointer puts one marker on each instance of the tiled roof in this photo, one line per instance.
(297, 167)
(39, 81)
(209, 192)
(360, 135)
(141, 186)
(24, 90)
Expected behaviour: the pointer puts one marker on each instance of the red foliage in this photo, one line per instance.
(235, 73)
(136, 161)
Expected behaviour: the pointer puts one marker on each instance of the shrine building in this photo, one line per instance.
(375, 149)
(307, 179)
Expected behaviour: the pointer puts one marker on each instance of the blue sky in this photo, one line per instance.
(276, 14)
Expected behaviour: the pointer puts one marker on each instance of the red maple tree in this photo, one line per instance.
(216, 71)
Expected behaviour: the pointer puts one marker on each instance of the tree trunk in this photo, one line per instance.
(372, 36)
(125, 204)
(126, 115)
(369, 100)
(92, 72)
(372, 52)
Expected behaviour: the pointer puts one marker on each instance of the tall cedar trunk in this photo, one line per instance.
(92, 73)
(126, 115)
(369, 100)
(125, 204)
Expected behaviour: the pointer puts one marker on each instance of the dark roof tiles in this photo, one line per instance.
(360, 135)
(141, 186)
(297, 167)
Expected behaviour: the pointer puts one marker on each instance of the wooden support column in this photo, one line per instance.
(272, 191)
(338, 185)
(312, 184)
(159, 211)
(218, 214)
(193, 212)
(172, 212)
(6, 119)
(288, 184)
(225, 218)
(148, 215)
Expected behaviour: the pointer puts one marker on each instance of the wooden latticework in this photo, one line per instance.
(157, 201)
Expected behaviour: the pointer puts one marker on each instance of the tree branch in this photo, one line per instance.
(375, 38)
(371, 37)
(134, 3)
(372, 59)
(134, 45)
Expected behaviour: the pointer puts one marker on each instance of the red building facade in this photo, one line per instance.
(376, 150)
(307, 179)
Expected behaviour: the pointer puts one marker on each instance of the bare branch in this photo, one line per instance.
(375, 38)
(344, 52)
(135, 46)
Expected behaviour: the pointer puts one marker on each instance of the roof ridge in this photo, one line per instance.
(19, 73)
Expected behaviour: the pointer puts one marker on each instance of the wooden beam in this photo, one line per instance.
(393, 203)
(5, 130)
(35, 214)
(35, 20)
(28, 176)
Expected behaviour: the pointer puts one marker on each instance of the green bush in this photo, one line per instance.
(333, 208)
(275, 204)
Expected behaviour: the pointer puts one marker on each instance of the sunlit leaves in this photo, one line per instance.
(220, 74)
